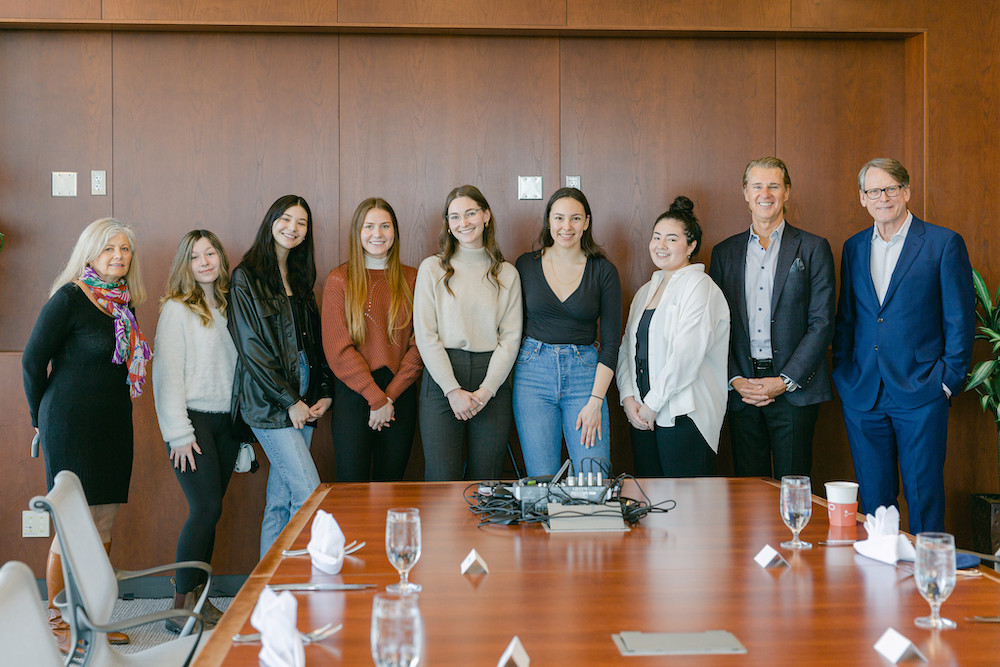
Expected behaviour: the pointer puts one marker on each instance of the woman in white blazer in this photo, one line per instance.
(673, 360)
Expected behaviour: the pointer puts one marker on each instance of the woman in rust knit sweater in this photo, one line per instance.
(368, 338)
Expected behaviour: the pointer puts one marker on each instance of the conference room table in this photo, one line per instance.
(691, 569)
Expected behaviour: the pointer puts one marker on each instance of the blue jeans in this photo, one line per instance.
(552, 383)
(293, 473)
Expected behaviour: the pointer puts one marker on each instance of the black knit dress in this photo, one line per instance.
(82, 408)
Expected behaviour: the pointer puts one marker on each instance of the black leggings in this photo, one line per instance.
(204, 488)
(365, 455)
(676, 451)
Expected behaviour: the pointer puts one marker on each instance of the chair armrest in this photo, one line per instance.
(125, 575)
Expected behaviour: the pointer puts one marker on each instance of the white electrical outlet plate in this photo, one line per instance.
(573, 182)
(34, 524)
(63, 183)
(99, 182)
(529, 187)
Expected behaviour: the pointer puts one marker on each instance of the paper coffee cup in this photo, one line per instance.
(842, 492)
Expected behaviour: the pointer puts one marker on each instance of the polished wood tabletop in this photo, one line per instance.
(564, 595)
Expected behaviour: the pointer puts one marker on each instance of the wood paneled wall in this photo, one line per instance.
(205, 129)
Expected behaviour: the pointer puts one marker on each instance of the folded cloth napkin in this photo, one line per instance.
(326, 546)
(884, 542)
(275, 618)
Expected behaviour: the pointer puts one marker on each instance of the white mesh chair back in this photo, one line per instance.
(25, 638)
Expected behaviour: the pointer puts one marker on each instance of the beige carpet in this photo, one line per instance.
(151, 634)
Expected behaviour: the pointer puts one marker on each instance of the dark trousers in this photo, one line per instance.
(363, 454)
(204, 488)
(772, 441)
(676, 451)
(473, 449)
(917, 438)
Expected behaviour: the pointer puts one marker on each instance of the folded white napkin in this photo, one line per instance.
(884, 542)
(326, 545)
(274, 618)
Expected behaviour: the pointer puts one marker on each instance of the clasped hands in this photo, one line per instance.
(759, 391)
(302, 414)
(467, 404)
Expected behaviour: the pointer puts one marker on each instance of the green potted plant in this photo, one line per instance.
(985, 380)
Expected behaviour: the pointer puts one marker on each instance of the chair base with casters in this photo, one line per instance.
(25, 638)
(91, 587)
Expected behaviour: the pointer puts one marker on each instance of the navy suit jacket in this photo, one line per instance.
(921, 336)
(802, 310)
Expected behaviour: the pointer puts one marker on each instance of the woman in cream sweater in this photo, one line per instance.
(467, 324)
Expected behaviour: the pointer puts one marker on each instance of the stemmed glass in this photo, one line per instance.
(397, 630)
(402, 545)
(796, 508)
(934, 571)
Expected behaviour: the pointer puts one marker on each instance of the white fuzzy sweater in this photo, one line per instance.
(193, 367)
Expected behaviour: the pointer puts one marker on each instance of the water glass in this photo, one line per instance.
(934, 571)
(397, 630)
(796, 507)
(402, 545)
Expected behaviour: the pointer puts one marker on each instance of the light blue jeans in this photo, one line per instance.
(552, 383)
(293, 473)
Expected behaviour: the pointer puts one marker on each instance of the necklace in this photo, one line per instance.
(575, 278)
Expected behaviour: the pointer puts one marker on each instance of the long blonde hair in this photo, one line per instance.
(356, 293)
(182, 286)
(92, 241)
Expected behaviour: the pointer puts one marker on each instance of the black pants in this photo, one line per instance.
(363, 454)
(204, 488)
(774, 440)
(473, 449)
(676, 451)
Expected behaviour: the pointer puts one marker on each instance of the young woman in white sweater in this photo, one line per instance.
(673, 359)
(467, 324)
(192, 386)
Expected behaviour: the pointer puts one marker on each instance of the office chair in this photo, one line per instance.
(25, 638)
(92, 587)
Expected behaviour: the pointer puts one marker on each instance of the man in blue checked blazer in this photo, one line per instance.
(902, 347)
(780, 284)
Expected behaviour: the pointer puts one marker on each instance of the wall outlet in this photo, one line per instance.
(99, 182)
(34, 524)
(573, 182)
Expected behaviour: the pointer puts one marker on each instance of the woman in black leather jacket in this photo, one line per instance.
(283, 384)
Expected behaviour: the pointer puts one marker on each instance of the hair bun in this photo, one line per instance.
(682, 204)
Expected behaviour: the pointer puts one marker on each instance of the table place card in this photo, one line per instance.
(710, 642)
(474, 564)
(768, 557)
(515, 655)
(895, 647)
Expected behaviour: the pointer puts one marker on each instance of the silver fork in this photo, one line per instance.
(317, 635)
(348, 549)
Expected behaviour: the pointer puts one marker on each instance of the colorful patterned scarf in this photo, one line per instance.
(130, 345)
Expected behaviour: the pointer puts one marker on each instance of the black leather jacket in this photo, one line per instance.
(267, 371)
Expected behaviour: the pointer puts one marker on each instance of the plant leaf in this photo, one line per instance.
(982, 371)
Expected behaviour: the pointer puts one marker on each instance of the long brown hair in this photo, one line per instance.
(182, 286)
(449, 244)
(400, 294)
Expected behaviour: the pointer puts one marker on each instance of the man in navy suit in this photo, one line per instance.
(902, 347)
(779, 281)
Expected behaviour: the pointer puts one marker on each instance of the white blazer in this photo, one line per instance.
(688, 351)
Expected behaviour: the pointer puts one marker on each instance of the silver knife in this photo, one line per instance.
(319, 587)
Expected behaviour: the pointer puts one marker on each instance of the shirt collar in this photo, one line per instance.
(775, 235)
(901, 234)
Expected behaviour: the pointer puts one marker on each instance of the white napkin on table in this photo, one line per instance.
(276, 620)
(326, 545)
(884, 542)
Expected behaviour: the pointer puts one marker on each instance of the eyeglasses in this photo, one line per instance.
(468, 215)
(891, 191)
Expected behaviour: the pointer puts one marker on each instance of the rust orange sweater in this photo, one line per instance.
(352, 365)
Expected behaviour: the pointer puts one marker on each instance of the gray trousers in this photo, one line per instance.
(473, 449)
